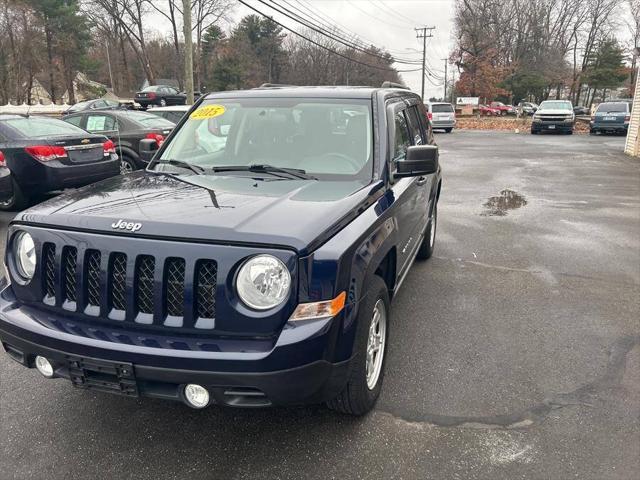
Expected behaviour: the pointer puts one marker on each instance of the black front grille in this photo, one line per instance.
(119, 281)
(145, 289)
(70, 260)
(49, 269)
(174, 293)
(144, 283)
(93, 277)
(206, 282)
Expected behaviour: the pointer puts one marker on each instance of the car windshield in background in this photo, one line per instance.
(150, 88)
(556, 105)
(612, 108)
(149, 120)
(441, 108)
(329, 140)
(79, 106)
(42, 127)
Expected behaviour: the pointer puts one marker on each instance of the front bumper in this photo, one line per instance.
(295, 370)
(552, 127)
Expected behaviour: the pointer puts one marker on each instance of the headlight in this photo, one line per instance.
(25, 255)
(263, 282)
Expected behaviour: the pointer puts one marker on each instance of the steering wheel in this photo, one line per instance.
(347, 159)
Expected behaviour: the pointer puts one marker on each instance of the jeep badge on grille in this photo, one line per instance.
(129, 226)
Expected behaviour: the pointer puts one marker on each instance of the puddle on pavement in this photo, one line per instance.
(500, 205)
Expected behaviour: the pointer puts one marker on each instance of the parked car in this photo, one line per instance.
(6, 188)
(528, 108)
(160, 95)
(504, 109)
(611, 117)
(580, 110)
(125, 128)
(554, 116)
(441, 115)
(174, 114)
(46, 154)
(99, 104)
(258, 275)
(489, 111)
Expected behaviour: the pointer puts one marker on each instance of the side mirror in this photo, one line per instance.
(147, 149)
(420, 160)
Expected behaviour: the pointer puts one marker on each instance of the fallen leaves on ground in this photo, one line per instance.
(506, 124)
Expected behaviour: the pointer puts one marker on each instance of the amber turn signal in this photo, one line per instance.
(328, 308)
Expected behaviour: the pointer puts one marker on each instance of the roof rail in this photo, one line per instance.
(394, 85)
(275, 85)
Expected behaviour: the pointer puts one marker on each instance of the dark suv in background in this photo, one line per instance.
(611, 117)
(251, 264)
(42, 154)
(125, 128)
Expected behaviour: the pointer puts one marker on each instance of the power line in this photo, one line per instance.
(386, 22)
(318, 29)
(388, 10)
(243, 2)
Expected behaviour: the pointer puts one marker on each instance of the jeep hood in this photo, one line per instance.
(297, 214)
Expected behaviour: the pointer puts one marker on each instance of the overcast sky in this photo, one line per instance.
(389, 24)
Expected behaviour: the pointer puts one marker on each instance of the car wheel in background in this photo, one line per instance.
(127, 165)
(534, 132)
(367, 370)
(448, 130)
(17, 201)
(163, 102)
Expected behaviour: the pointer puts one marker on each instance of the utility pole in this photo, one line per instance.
(446, 64)
(422, 33)
(188, 49)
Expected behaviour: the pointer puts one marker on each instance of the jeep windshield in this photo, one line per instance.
(322, 138)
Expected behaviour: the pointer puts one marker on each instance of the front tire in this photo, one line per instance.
(448, 130)
(367, 369)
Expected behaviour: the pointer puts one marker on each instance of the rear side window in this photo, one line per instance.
(613, 108)
(402, 137)
(442, 108)
(100, 123)
(42, 127)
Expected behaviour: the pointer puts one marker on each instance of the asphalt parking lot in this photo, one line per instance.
(514, 353)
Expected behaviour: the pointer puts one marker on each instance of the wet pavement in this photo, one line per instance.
(514, 352)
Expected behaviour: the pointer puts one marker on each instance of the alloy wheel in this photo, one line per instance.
(376, 343)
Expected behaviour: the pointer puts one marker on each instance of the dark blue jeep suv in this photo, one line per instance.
(251, 264)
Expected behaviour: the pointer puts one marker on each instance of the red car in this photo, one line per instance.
(489, 111)
(504, 109)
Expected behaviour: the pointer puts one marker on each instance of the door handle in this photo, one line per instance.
(421, 181)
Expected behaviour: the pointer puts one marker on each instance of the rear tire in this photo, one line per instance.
(363, 387)
(127, 165)
(18, 201)
(429, 241)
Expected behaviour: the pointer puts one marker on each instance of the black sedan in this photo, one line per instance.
(89, 105)
(126, 128)
(160, 95)
(6, 189)
(580, 110)
(46, 154)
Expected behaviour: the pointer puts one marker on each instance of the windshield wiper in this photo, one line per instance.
(197, 169)
(293, 172)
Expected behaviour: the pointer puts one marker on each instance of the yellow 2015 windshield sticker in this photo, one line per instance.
(208, 111)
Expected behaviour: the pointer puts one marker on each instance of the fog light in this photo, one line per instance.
(44, 366)
(197, 396)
